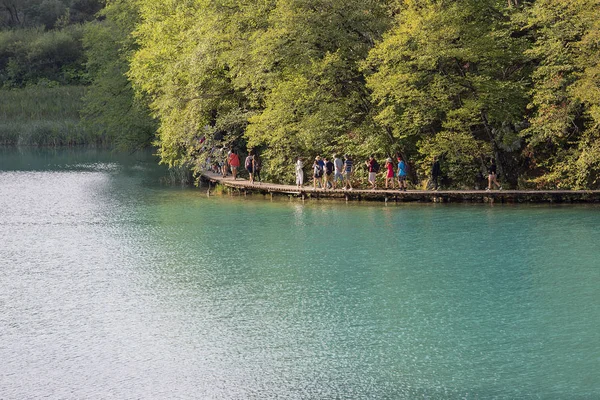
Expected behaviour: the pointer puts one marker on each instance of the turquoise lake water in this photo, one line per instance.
(114, 285)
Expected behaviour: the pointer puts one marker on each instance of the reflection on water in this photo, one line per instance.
(114, 286)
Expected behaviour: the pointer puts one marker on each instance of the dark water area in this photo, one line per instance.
(115, 285)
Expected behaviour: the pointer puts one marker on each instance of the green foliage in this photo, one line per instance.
(565, 124)
(451, 69)
(48, 14)
(30, 56)
(111, 109)
(463, 80)
(288, 68)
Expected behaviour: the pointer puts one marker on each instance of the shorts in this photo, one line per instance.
(401, 178)
(338, 176)
(249, 169)
(372, 176)
(347, 175)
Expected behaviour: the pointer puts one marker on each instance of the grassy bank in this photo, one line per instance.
(43, 116)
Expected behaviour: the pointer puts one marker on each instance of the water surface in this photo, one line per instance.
(114, 285)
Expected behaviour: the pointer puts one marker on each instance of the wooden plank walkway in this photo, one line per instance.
(243, 186)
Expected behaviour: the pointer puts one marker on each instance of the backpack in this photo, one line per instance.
(329, 168)
(375, 166)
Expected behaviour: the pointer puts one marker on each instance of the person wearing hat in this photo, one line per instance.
(389, 177)
(317, 172)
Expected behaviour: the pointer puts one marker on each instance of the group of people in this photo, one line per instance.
(252, 164)
(337, 172)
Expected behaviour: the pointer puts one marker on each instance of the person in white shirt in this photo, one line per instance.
(299, 173)
(338, 166)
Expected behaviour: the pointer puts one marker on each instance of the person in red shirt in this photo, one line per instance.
(389, 177)
(234, 163)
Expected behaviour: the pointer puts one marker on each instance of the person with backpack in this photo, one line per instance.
(249, 164)
(373, 170)
(328, 175)
(402, 169)
(492, 175)
(317, 172)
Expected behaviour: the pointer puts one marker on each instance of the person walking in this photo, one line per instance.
(348, 169)
(373, 169)
(436, 172)
(249, 164)
(234, 163)
(317, 172)
(401, 173)
(328, 175)
(492, 175)
(338, 165)
(389, 175)
(299, 173)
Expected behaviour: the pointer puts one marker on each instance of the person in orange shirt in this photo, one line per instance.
(234, 163)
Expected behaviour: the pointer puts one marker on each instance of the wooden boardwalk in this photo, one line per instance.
(244, 187)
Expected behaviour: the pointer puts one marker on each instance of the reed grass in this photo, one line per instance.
(43, 116)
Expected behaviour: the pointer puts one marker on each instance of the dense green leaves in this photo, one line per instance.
(31, 56)
(111, 109)
(565, 124)
(448, 79)
(464, 80)
(48, 14)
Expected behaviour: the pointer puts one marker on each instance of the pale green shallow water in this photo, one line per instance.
(113, 286)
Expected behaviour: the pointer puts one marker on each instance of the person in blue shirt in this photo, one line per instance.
(401, 173)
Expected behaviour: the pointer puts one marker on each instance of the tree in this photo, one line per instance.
(47, 13)
(282, 74)
(565, 123)
(110, 106)
(450, 79)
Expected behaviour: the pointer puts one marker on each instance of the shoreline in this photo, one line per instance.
(244, 187)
